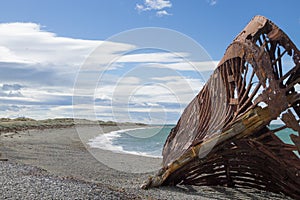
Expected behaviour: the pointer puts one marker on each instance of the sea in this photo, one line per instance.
(148, 141)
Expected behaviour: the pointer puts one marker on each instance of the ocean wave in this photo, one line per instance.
(105, 142)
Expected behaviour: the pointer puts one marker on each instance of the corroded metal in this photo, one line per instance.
(224, 137)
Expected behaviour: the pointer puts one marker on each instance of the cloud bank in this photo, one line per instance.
(39, 68)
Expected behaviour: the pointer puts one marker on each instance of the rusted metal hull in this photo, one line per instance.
(223, 136)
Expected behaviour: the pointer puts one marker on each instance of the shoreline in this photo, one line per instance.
(105, 142)
(61, 153)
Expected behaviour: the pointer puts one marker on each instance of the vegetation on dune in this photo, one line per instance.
(21, 124)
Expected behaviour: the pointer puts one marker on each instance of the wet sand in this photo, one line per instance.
(61, 153)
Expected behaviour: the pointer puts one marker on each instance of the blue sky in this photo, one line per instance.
(202, 20)
(43, 44)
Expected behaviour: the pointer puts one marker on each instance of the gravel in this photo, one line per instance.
(19, 181)
(54, 164)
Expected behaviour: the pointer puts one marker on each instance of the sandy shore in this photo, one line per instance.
(60, 155)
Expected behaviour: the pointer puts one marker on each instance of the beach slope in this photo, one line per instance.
(55, 163)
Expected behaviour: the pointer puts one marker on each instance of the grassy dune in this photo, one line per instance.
(21, 124)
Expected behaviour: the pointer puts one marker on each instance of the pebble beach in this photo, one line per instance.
(56, 164)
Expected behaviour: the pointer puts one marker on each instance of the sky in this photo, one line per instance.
(100, 60)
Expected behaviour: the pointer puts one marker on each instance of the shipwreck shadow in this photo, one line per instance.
(220, 193)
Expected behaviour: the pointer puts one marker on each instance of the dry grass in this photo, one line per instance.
(21, 124)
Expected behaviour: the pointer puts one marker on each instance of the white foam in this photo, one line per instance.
(105, 142)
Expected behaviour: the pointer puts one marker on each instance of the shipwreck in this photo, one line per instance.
(224, 135)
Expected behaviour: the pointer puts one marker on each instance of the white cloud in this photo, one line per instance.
(6, 55)
(158, 57)
(27, 43)
(162, 13)
(38, 70)
(140, 7)
(212, 2)
(157, 5)
(189, 66)
(159, 98)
